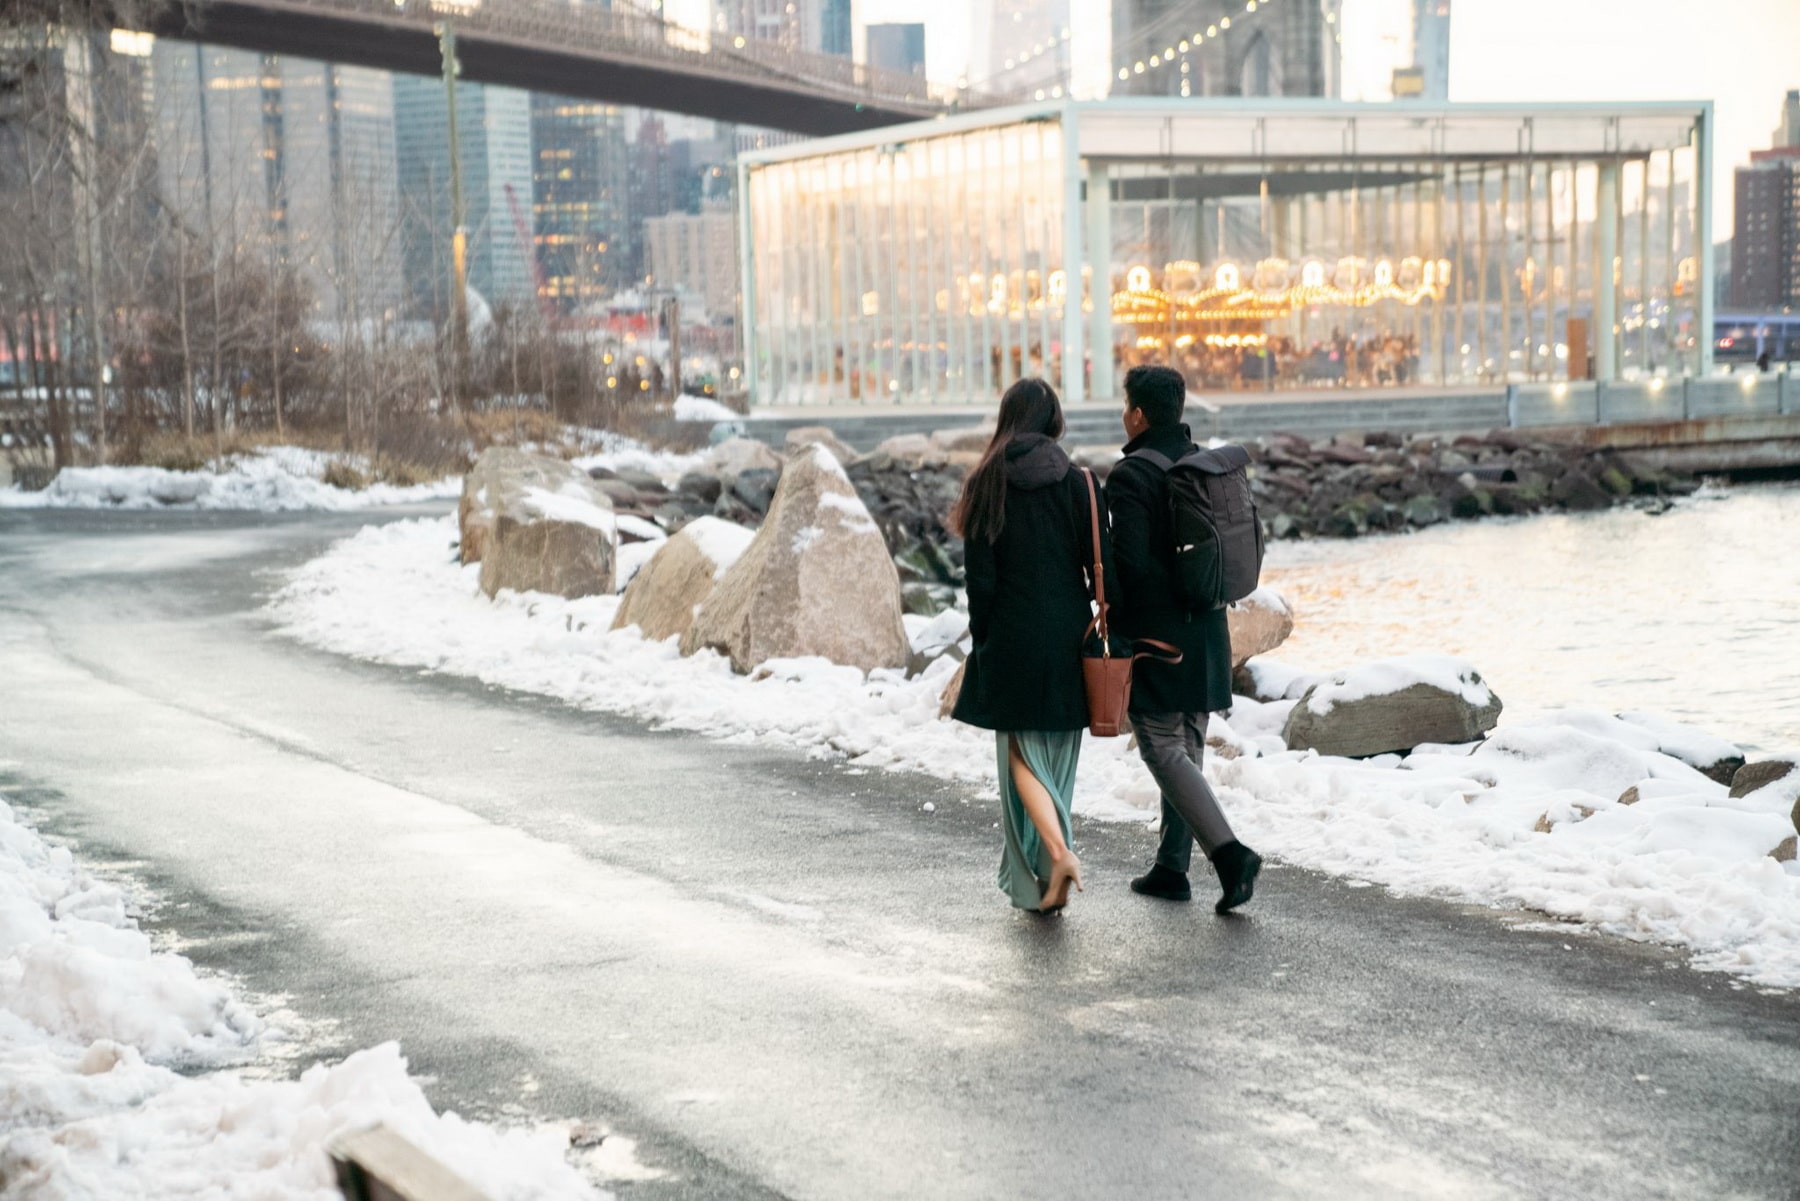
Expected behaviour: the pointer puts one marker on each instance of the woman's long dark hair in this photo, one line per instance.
(1029, 407)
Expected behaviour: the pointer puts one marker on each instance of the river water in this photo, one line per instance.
(1694, 613)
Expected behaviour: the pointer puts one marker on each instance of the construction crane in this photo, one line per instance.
(529, 248)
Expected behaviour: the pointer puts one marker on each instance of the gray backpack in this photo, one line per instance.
(1218, 535)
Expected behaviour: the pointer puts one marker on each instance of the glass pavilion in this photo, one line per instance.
(1253, 244)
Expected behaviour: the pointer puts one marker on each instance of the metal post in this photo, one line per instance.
(1703, 247)
(1462, 259)
(1529, 277)
(1099, 256)
(1506, 272)
(1481, 269)
(1644, 263)
(459, 239)
(671, 311)
(1606, 285)
(78, 71)
(1074, 387)
(748, 335)
(1550, 270)
(1438, 294)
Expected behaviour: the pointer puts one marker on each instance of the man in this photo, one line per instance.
(1170, 702)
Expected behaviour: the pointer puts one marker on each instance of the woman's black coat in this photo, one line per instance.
(1137, 492)
(1029, 598)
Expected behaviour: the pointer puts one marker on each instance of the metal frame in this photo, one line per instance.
(1597, 154)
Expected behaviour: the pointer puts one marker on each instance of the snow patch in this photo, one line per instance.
(1384, 676)
(724, 542)
(275, 479)
(94, 1024)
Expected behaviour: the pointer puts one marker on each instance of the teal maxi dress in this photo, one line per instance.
(1029, 607)
(1052, 756)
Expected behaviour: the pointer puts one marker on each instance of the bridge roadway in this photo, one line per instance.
(619, 56)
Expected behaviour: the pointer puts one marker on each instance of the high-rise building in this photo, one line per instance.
(1787, 132)
(1431, 47)
(1765, 243)
(494, 145)
(581, 182)
(265, 154)
(1222, 48)
(697, 253)
(836, 22)
(1027, 44)
(899, 48)
(818, 25)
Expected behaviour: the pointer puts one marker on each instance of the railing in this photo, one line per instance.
(1661, 400)
(627, 31)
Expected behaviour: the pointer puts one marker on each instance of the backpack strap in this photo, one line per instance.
(1163, 462)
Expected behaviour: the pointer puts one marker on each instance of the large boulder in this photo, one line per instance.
(542, 530)
(816, 580)
(1393, 705)
(912, 449)
(971, 439)
(668, 590)
(805, 435)
(952, 692)
(1760, 774)
(734, 456)
(1259, 623)
(500, 478)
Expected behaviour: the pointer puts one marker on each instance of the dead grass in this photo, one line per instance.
(341, 473)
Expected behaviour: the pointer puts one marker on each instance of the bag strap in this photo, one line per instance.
(1159, 650)
(1098, 568)
(1153, 456)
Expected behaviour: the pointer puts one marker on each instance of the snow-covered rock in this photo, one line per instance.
(1753, 777)
(671, 588)
(803, 436)
(735, 456)
(909, 448)
(1713, 757)
(1265, 679)
(1259, 623)
(1393, 705)
(703, 410)
(817, 580)
(537, 524)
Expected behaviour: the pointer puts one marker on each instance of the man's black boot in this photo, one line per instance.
(1164, 882)
(1237, 866)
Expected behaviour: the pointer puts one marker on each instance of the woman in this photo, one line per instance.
(1025, 521)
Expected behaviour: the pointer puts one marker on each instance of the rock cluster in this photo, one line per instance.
(1358, 483)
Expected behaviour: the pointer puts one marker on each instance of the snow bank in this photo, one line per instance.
(276, 479)
(699, 408)
(1684, 865)
(93, 1025)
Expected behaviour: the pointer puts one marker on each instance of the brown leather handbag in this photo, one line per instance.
(1106, 669)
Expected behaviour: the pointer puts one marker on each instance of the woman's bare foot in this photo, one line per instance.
(1064, 871)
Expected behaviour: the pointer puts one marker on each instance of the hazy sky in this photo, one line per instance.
(1742, 54)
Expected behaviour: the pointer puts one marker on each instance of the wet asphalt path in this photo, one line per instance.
(780, 978)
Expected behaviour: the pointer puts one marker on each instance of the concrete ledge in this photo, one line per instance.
(378, 1165)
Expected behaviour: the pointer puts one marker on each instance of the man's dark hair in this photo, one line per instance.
(1159, 393)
